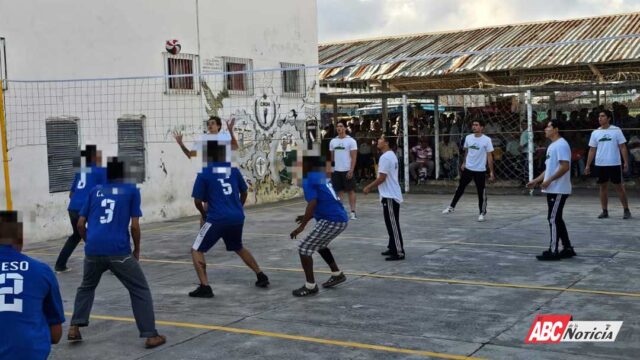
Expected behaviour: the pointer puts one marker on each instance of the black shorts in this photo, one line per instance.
(609, 173)
(341, 183)
(210, 234)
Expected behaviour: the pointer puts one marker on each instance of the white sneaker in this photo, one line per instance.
(480, 218)
(448, 210)
(353, 216)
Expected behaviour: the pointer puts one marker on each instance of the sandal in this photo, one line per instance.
(303, 291)
(150, 343)
(74, 334)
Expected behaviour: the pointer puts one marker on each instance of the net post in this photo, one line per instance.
(5, 154)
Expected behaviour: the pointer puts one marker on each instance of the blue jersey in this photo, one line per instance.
(328, 207)
(29, 303)
(109, 210)
(222, 195)
(83, 182)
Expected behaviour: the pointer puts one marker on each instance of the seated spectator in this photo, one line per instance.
(421, 156)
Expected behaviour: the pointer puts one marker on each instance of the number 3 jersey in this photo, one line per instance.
(222, 194)
(109, 210)
(30, 302)
(328, 207)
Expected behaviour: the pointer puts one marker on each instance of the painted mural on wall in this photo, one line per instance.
(270, 129)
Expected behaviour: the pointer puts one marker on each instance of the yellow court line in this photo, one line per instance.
(270, 334)
(408, 278)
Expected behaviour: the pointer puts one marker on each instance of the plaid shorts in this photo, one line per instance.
(323, 232)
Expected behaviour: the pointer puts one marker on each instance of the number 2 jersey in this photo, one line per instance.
(30, 302)
(222, 194)
(328, 207)
(109, 210)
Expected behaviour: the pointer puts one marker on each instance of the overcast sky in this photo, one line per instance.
(355, 19)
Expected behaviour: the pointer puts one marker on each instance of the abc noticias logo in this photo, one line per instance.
(560, 328)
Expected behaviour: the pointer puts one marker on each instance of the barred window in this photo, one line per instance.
(293, 80)
(241, 83)
(183, 67)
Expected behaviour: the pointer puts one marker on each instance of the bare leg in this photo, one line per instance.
(341, 195)
(352, 200)
(604, 189)
(200, 264)
(622, 194)
(307, 266)
(249, 260)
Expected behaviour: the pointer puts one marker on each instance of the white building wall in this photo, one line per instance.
(72, 39)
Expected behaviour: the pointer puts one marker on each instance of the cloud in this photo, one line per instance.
(353, 19)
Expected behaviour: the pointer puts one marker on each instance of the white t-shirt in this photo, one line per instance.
(199, 143)
(341, 149)
(557, 151)
(390, 188)
(477, 149)
(607, 141)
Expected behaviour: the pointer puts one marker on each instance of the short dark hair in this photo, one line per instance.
(555, 123)
(90, 154)
(217, 120)
(607, 113)
(343, 122)
(10, 227)
(115, 169)
(391, 140)
(479, 121)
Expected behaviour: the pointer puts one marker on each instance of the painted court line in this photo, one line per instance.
(409, 278)
(275, 335)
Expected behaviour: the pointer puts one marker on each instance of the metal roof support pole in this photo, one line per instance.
(405, 143)
(436, 126)
(597, 97)
(335, 113)
(530, 132)
(552, 105)
(385, 110)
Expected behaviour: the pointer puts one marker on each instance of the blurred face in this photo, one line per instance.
(550, 131)
(382, 142)
(340, 129)
(476, 127)
(424, 143)
(212, 127)
(603, 119)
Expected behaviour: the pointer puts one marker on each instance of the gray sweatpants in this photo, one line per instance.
(128, 271)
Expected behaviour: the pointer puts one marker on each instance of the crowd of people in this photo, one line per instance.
(509, 135)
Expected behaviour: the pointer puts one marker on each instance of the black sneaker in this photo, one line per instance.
(567, 252)
(604, 214)
(202, 292)
(263, 280)
(387, 253)
(303, 291)
(62, 270)
(334, 280)
(395, 257)
(627, 214)
(548, 256)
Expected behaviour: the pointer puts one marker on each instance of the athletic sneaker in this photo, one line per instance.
(202, 292)
(604, 214)
(481, 218)
(627, 214)
(547, 255)
(353, 216)
(263, 280)
(303, 291)
(334, 280)
(567, 253)
(62, 270)
(448, 210)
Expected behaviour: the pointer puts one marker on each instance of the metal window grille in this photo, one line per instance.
(181, 70)
(62, 149)
(131, 145)
(293, 80)
(241, 83)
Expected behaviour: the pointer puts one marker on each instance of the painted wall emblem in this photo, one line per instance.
(265, 111)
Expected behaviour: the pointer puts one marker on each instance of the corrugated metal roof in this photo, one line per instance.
(531, 36)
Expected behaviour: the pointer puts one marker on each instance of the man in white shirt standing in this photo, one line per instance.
(606, 144)
(556, 182)
(478, 151)
(390, 196)
(344, 152)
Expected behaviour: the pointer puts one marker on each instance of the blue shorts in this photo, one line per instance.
(210, 234)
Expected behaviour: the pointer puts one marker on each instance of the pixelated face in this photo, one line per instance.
(476, 127)
(11, 229)
(123, 170)
(216, 156)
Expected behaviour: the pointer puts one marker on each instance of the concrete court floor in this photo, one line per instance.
(465, 289)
